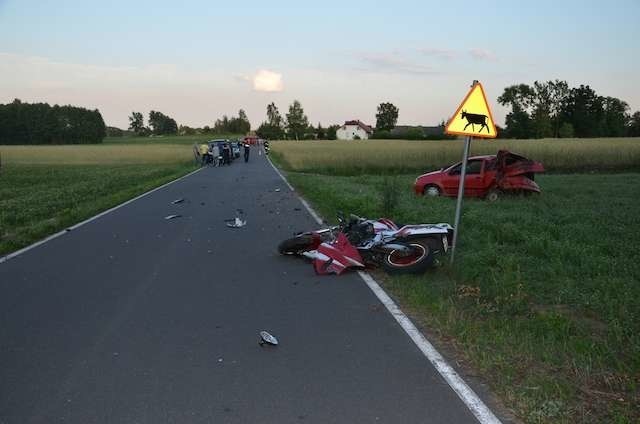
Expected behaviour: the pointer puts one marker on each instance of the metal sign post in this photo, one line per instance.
(463, 173)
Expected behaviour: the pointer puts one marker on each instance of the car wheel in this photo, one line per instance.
(432, 191)
(493, 195)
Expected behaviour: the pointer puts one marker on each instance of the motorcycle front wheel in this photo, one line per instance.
(417, 262)
(296, 245)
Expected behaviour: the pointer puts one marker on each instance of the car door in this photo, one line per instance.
(451, 179)
(473, 182)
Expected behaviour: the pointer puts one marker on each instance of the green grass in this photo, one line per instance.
(399, 156)
(544, 297)
(44, 189)
(39, 200)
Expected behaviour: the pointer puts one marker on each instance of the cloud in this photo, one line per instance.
(483, 55)
(438, 53)
(267, 81)
(392, 63)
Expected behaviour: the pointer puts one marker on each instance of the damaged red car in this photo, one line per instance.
(487, 177)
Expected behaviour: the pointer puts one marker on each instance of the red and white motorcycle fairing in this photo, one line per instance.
(335, 257)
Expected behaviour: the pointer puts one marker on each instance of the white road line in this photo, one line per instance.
(482, 413)
(86, 221)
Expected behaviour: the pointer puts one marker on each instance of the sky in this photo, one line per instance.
(197, 60)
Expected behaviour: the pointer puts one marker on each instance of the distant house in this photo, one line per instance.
(353, 130)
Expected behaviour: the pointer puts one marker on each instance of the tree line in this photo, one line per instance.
(41, 123)
(159, 124)
(553, 109)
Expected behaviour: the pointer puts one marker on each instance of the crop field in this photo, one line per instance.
(95, 154)
(542, 301)
(44, 189)
(399, 156)
(168, 139)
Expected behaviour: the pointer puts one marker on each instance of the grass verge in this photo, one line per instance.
(543, 298)
(38, 200)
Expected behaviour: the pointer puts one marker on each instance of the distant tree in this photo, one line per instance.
(381, 135)
(566, 131)
(114, 132)
(634, 125)
(269, 132)
(161, 124)
(321, 133)
(297, 121)
(243, 124)
(518, 121)
(206, 129)
(40, 123)
(136, 122)
(332, 132)
(186, 130)
(558, 95)
(272, 129)
(414, 134)
(387, 116)
(584, 110)
(616, 117)
(273, 116)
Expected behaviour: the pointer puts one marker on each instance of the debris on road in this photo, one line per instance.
(172, 217)
(238, 221)
(277, 190)
(180, 200)
(266, 338)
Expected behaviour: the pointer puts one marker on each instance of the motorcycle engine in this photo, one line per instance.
(360, 233)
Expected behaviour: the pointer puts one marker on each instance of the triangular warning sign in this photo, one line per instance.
(473, 117)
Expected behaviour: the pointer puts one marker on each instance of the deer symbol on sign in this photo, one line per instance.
(473, 119)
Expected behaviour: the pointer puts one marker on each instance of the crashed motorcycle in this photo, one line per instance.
(360, 243)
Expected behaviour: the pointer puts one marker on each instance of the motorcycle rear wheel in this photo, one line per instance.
(296, 245)
(417, 263)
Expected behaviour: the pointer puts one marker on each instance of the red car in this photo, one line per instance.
(487, 176)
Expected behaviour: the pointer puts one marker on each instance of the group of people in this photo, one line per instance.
(219, 153)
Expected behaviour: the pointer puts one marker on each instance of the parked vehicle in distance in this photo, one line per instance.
(486, 176)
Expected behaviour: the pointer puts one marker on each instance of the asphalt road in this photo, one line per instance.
(136, 319)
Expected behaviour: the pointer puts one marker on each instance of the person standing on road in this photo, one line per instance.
(204, 153)
(215, 154)
(226, 154)
(246, 152)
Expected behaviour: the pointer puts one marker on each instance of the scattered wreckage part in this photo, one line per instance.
(235, 223)
(168, 217)
(268, 339)
(180, 200)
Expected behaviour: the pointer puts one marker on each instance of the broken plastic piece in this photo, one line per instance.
(172, 216)
(277, 190)
(266, 338)
(180, 200)
(237, 222)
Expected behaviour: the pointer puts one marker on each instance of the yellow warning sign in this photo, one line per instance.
(473, 117)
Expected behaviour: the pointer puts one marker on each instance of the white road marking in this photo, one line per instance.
(482, 413)
(80, 224)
